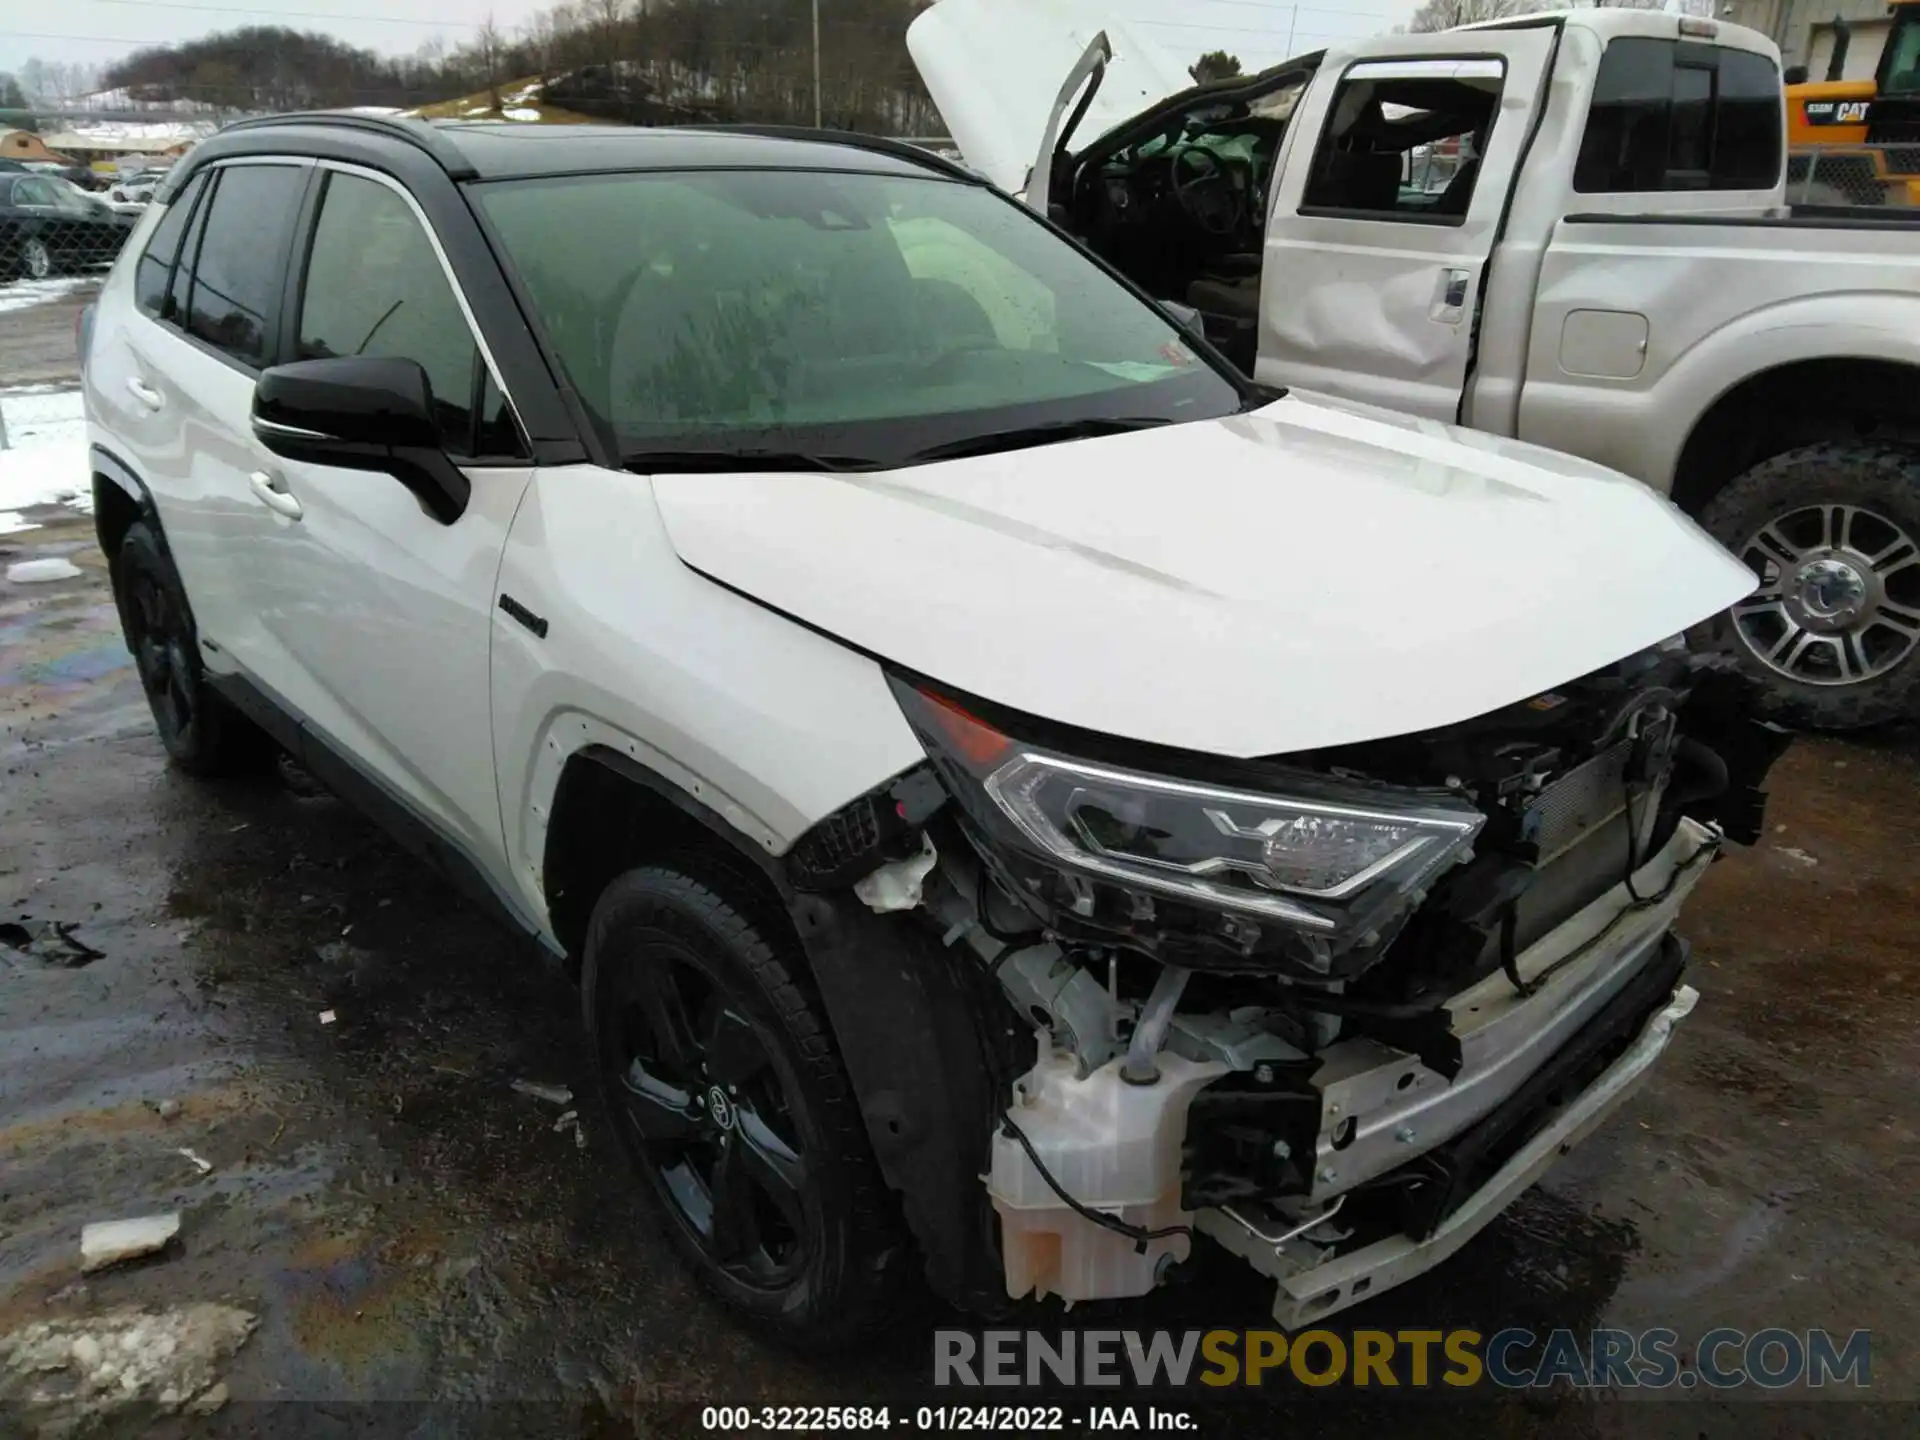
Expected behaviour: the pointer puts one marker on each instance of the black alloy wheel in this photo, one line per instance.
(710, 1112)
(728, 1097)
(202, 733)
(161, 639)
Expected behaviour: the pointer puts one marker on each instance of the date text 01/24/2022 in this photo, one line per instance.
(1016, 1419)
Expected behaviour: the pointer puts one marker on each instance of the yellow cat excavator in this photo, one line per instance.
(1857, 142)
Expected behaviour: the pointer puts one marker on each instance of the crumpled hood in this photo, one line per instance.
(1315, 573)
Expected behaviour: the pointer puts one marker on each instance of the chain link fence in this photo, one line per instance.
(1875, 176)
(50, 227)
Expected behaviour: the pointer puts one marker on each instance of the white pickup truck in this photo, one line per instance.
(1569, 228)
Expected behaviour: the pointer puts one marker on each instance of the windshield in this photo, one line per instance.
(865, 318)
(1902, 63)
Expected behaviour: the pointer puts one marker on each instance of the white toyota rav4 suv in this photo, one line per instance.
(1015, 794)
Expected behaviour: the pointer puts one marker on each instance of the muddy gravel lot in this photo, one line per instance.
(240, 1003)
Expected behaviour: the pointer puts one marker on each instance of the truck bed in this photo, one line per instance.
(1638, 320)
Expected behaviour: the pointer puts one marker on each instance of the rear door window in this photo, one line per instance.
(240, 272)
(1668, 115)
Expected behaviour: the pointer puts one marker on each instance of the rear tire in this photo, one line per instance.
(724, 1088)
(1833, 532)
(201, 732)
(36, 261)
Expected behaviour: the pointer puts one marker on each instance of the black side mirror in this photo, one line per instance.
(361, 414)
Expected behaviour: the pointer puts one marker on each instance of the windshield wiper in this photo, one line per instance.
(702, 462)
(1051, 433)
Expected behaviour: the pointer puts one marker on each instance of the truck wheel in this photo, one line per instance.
(202, 733)
(727, 1096)
(1833, 532)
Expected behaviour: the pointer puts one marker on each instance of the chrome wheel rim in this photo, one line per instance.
(1839, 596)
(39, 262)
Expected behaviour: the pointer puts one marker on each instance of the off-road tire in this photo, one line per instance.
(1879, 477)
(202, 734)
(855, 1257)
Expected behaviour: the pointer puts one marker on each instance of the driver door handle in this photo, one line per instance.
(273, 496)
(145, 393)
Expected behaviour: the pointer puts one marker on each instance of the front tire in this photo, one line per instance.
(201, 732)
(1833, 532)
(36, 261)
(725, 1091)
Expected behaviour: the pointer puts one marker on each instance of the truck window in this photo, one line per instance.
(1670, 115)
(1403, 141)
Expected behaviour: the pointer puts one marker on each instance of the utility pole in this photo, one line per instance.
(816, 64)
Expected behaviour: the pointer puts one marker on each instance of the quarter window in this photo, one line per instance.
(155, 269)
(1668, 115)
(375, 287)
(238, 276)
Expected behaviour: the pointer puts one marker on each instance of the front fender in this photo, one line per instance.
(765, 723)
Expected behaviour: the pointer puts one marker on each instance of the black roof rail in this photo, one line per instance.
(415, 132)
(878, 144)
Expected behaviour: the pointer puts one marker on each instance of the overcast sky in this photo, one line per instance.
(101, 31)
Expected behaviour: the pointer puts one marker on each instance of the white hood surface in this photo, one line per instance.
(1316, 573)
(994, 68)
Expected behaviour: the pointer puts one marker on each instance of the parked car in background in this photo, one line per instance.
(135, 191)
(79, 176)
(1609, 270)
(46, 226)
(1019, 795)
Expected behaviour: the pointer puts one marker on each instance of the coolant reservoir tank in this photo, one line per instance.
(1115, 1148)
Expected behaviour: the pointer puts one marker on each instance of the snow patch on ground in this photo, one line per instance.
(38, 572)
(46, 459)
(69, 1374)
(24, 294)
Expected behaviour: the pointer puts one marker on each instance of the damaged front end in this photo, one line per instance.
(1334, 1010)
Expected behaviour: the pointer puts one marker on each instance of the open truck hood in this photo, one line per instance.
(995, 67)
(1315, 573)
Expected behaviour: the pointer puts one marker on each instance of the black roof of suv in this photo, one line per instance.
(502, 150)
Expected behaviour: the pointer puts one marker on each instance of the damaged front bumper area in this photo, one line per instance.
(1427, 1164)
(1333, 1012)
(1317, 1280)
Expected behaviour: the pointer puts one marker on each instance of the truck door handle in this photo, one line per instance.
(145, 393)
(1450, 296)
(272, 496)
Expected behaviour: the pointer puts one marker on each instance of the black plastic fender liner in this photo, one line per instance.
(932, 1050)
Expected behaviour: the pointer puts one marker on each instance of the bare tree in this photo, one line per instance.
(1214, 65)
(487, 41)
(1446, 14)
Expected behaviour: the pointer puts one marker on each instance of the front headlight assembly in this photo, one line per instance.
(1307, 875)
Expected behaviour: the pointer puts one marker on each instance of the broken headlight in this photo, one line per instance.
(1315, 872)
